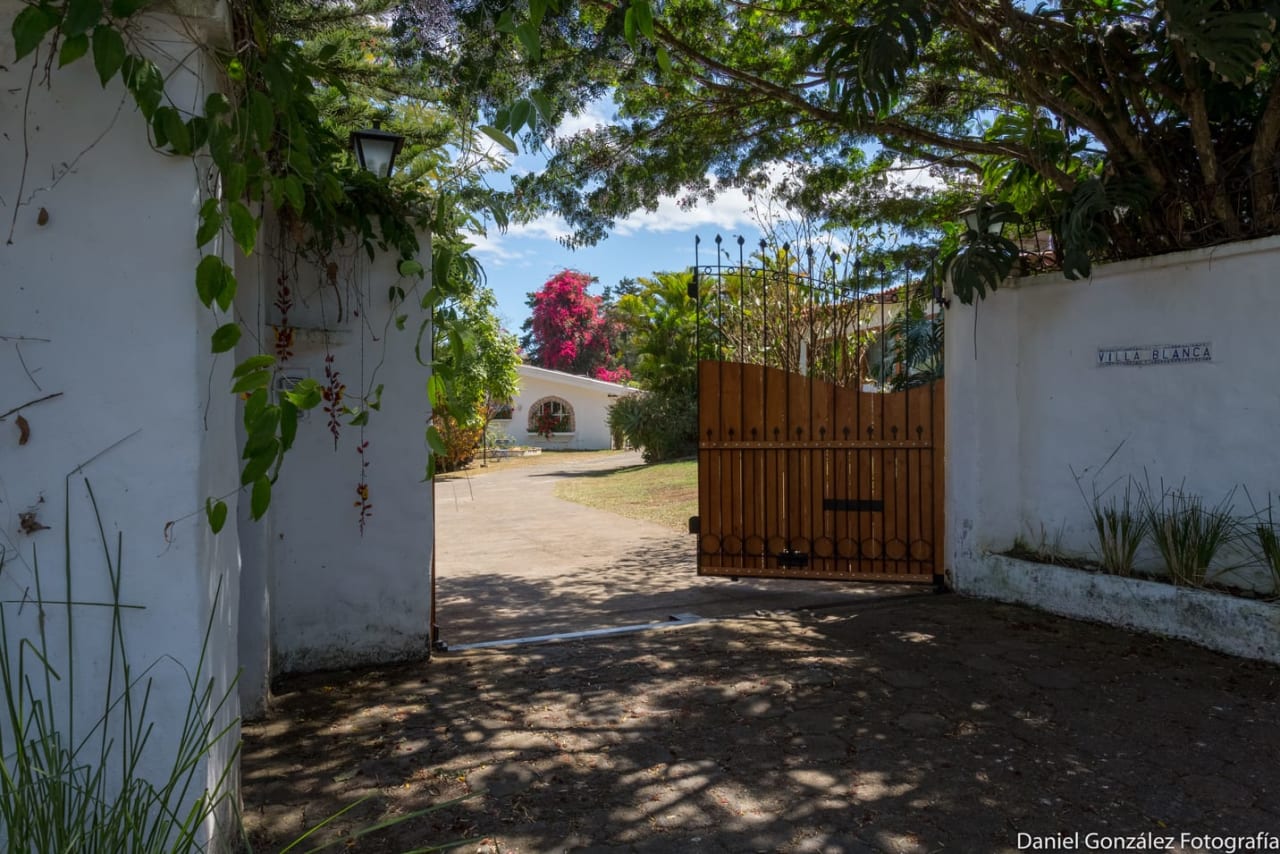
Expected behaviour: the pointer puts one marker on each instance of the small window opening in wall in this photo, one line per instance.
(551, 415)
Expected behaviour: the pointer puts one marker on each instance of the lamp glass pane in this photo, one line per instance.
(376, 154)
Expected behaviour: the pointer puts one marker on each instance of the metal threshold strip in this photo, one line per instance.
(673, 621)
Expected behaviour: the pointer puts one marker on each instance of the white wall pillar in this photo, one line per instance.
(341, 597)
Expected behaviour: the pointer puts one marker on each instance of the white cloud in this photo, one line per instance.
(914, 176)
(494, 250)
(596, 114)
(495, 246)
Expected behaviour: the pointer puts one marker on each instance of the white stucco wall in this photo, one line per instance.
(1027, 401)
(591, 401)
(322, 594)
(98, 306)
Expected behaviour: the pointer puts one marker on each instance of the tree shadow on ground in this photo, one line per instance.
(642, 585)
(587, 472)
(908, 725)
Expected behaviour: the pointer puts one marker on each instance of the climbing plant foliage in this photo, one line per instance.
(272, 151)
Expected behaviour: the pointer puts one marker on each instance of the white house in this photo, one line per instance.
(108, 382)
(576, 409)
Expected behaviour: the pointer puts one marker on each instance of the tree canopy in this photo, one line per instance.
(1124, 127)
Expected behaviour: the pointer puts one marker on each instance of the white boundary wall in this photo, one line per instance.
(1027, 400)
(105, 292)
(98, 306)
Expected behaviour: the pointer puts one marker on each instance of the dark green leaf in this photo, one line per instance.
(261, 498)
(644, 17)
(305, 395)
(254, 407)
(216, 512)
(244, 227)
(198, 131)
(528, 36)
(295, 193)
(227, 293)
(435, 390)
(400, 320)
(542, 103)
(252, 381)
(174, 128)
(127, 8)
(254, 363)
(234, 179)
(73, 48)
(262, 117)
(361, 419)
(144, 80)
(210, 222)
(225, 337)
(209, 276)
(521, 114)
(499, 137)
(259, 464)
(664, 60)
(216, 105)
(108, 52)
(435, 441)
(629, 26)
(30, 27)
(506, 21)
(288, 424)
(261, 427)
(80, 17)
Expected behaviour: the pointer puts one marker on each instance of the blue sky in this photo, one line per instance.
(518, 261)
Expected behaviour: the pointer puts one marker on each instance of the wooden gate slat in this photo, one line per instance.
(801, 481)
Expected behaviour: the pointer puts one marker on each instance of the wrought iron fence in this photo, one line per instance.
(817, 313)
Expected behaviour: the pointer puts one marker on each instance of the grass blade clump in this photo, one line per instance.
(1262, 537)
(1188, 533)
(1120, 524)
(1121, 527)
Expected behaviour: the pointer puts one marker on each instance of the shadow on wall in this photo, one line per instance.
(906, 726)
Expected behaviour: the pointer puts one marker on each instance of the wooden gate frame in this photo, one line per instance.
(801, 477)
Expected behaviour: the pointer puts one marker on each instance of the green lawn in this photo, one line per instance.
(666, 493)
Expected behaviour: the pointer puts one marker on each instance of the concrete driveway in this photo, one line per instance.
(514, 561)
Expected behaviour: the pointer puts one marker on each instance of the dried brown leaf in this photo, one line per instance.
(24, 430)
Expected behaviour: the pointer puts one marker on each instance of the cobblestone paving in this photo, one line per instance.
(911, 725)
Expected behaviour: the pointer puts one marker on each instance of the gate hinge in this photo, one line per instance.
(694, 524)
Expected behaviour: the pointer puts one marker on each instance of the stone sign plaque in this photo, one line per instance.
(1155, 354)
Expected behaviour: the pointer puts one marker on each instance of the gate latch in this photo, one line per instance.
(791, 559)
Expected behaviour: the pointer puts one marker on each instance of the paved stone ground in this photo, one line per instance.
(908, 725)
(515, 561)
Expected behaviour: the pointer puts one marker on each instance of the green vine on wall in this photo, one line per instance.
(272, 151)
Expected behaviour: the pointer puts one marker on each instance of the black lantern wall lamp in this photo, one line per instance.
(376, 149)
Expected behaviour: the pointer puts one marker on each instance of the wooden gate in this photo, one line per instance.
(801, 472)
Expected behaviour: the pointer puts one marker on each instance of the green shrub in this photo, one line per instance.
(461, 441)
(663, 426)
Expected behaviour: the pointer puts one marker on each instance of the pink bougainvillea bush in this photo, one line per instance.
(569, 332)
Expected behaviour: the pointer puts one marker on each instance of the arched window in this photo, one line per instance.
(551, 415)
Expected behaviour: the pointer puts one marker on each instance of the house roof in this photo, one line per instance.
(573, 380)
